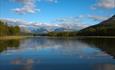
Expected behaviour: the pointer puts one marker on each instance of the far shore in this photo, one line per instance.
(22, 37)
(96, 36)
(78, 37)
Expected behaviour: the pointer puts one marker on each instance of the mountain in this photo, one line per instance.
(59, 30)
(40, 30)
(44, 28)
(35, 27)
(105, 28)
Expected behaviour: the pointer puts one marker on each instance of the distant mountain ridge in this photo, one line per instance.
(105, 28)
(42, 27)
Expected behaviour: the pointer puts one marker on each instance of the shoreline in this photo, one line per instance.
(77, 37)
(12, 37)
(22, 37)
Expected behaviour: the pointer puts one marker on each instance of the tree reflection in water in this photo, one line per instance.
(105, 44)
(5, 44)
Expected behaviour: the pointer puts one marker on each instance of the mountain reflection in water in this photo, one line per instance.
(105, 44)
(41, 53)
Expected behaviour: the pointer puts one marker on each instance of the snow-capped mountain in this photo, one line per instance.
(42, 27)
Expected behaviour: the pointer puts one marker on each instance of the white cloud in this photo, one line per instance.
(15, 22)
(105, 4)
(94, 17)
(97, 18)
(23, 23)
(67, 23)
(71, 22)
(28, 7)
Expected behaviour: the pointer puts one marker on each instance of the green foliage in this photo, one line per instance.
(62, 34)
(105, 28)
(8, 30)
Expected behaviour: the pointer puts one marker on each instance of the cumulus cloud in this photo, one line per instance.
(28, 6)
(105, 4)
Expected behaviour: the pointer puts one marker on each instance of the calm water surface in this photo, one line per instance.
(40, 53)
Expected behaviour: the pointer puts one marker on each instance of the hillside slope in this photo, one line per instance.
(105, 28)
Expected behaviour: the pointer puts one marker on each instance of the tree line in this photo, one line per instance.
(59, 34)
(6, 30)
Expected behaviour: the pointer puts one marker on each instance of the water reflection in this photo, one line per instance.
(8, 44)
(39, 53)
(106, 45)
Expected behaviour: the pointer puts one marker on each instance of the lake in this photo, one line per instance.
(44, 53)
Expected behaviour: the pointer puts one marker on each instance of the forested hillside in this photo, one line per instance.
(105, 28)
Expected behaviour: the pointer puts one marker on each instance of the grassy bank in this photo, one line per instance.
(12, 37)
(22, 37)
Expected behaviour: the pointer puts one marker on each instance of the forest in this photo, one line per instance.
(6, 30)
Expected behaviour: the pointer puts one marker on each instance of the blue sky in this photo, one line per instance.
(88, 11)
